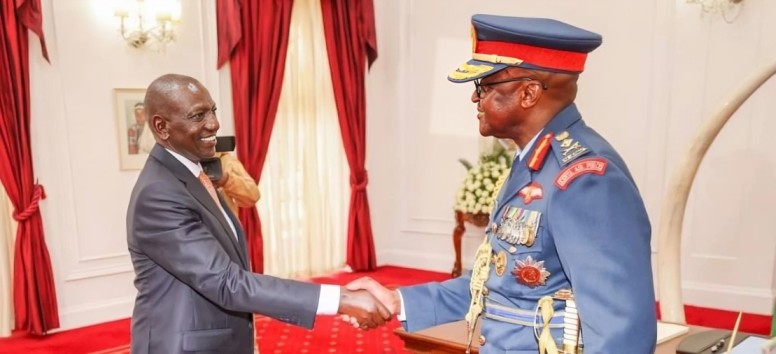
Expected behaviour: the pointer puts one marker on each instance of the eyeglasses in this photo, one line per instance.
(479, 86)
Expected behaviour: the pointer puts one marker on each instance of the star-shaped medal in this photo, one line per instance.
(530, 272)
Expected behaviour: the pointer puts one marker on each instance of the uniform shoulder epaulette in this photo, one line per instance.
(567, 148)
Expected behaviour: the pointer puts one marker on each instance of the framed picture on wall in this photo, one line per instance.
(135, 138)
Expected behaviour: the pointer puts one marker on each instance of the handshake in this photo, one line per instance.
(366, 304)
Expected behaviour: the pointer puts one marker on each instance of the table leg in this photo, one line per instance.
(457, 235)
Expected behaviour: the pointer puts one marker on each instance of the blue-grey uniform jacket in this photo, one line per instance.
(593, 237)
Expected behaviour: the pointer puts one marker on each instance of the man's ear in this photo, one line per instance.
(530, 94)
(160, 127)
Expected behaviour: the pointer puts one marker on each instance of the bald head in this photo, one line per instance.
(181, 115)
(166, 90)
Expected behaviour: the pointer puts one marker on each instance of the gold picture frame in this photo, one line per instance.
(134, 137)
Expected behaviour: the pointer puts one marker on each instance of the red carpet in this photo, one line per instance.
(329, 336)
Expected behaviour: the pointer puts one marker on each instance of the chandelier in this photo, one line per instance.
(727, 8)
(148, 23)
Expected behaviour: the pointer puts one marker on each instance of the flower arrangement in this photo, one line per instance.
(478, 191)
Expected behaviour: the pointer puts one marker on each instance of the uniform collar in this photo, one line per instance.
(534, 154)
(563, 119)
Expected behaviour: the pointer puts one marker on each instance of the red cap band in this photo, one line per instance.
(543, 57)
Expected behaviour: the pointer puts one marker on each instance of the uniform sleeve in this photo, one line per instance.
(173, 236)
(240, 186)
(435, 303)
(602, 235)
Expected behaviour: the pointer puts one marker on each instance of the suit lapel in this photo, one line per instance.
(240, 239)
(195, 187)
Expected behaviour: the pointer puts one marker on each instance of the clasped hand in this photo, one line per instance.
(366, 304)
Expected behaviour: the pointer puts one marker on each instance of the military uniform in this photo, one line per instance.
(568, 220)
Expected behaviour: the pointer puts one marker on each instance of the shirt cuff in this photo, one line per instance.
(402, 315)
(328, 301)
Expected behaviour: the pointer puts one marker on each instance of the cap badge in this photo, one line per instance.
(467, 71)
(530, 272)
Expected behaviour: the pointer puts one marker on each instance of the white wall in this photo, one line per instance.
(661, 71)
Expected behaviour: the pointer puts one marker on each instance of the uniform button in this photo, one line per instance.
(485, 291)
(482, 340)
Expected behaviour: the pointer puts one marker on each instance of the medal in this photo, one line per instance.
(519, 226)
(530, 272)
(501, 262)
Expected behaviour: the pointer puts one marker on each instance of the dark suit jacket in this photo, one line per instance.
(195, 292)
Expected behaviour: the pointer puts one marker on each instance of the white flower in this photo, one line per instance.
(478, 190)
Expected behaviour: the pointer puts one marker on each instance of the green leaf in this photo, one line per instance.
(465, 163)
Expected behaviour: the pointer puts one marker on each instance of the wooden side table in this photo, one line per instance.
(461, 218)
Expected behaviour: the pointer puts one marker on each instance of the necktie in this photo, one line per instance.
(205, 180)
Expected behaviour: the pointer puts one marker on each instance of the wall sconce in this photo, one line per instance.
(149, 22)
(728, 8)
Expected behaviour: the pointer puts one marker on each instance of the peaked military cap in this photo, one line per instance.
(531, 43)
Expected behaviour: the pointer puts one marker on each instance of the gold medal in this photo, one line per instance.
(501, 263)
(530, 238)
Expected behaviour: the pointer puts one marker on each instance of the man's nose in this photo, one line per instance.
(212, 122)
(475, 97)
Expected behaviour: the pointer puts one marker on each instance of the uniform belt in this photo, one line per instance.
(498, 312)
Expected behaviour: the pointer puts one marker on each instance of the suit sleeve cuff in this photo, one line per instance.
(328, 301)
(402, 315)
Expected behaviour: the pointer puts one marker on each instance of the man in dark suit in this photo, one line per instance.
(195, 292)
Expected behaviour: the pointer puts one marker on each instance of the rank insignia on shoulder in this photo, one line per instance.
(596, 165)
(571, 149)
(568, 148)
(530, 273)
(531, 192)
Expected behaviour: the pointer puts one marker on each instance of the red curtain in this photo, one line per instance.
(351, 41)
(35, 300)
(256, 49)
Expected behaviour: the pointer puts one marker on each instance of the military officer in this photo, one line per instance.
(568, 246)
